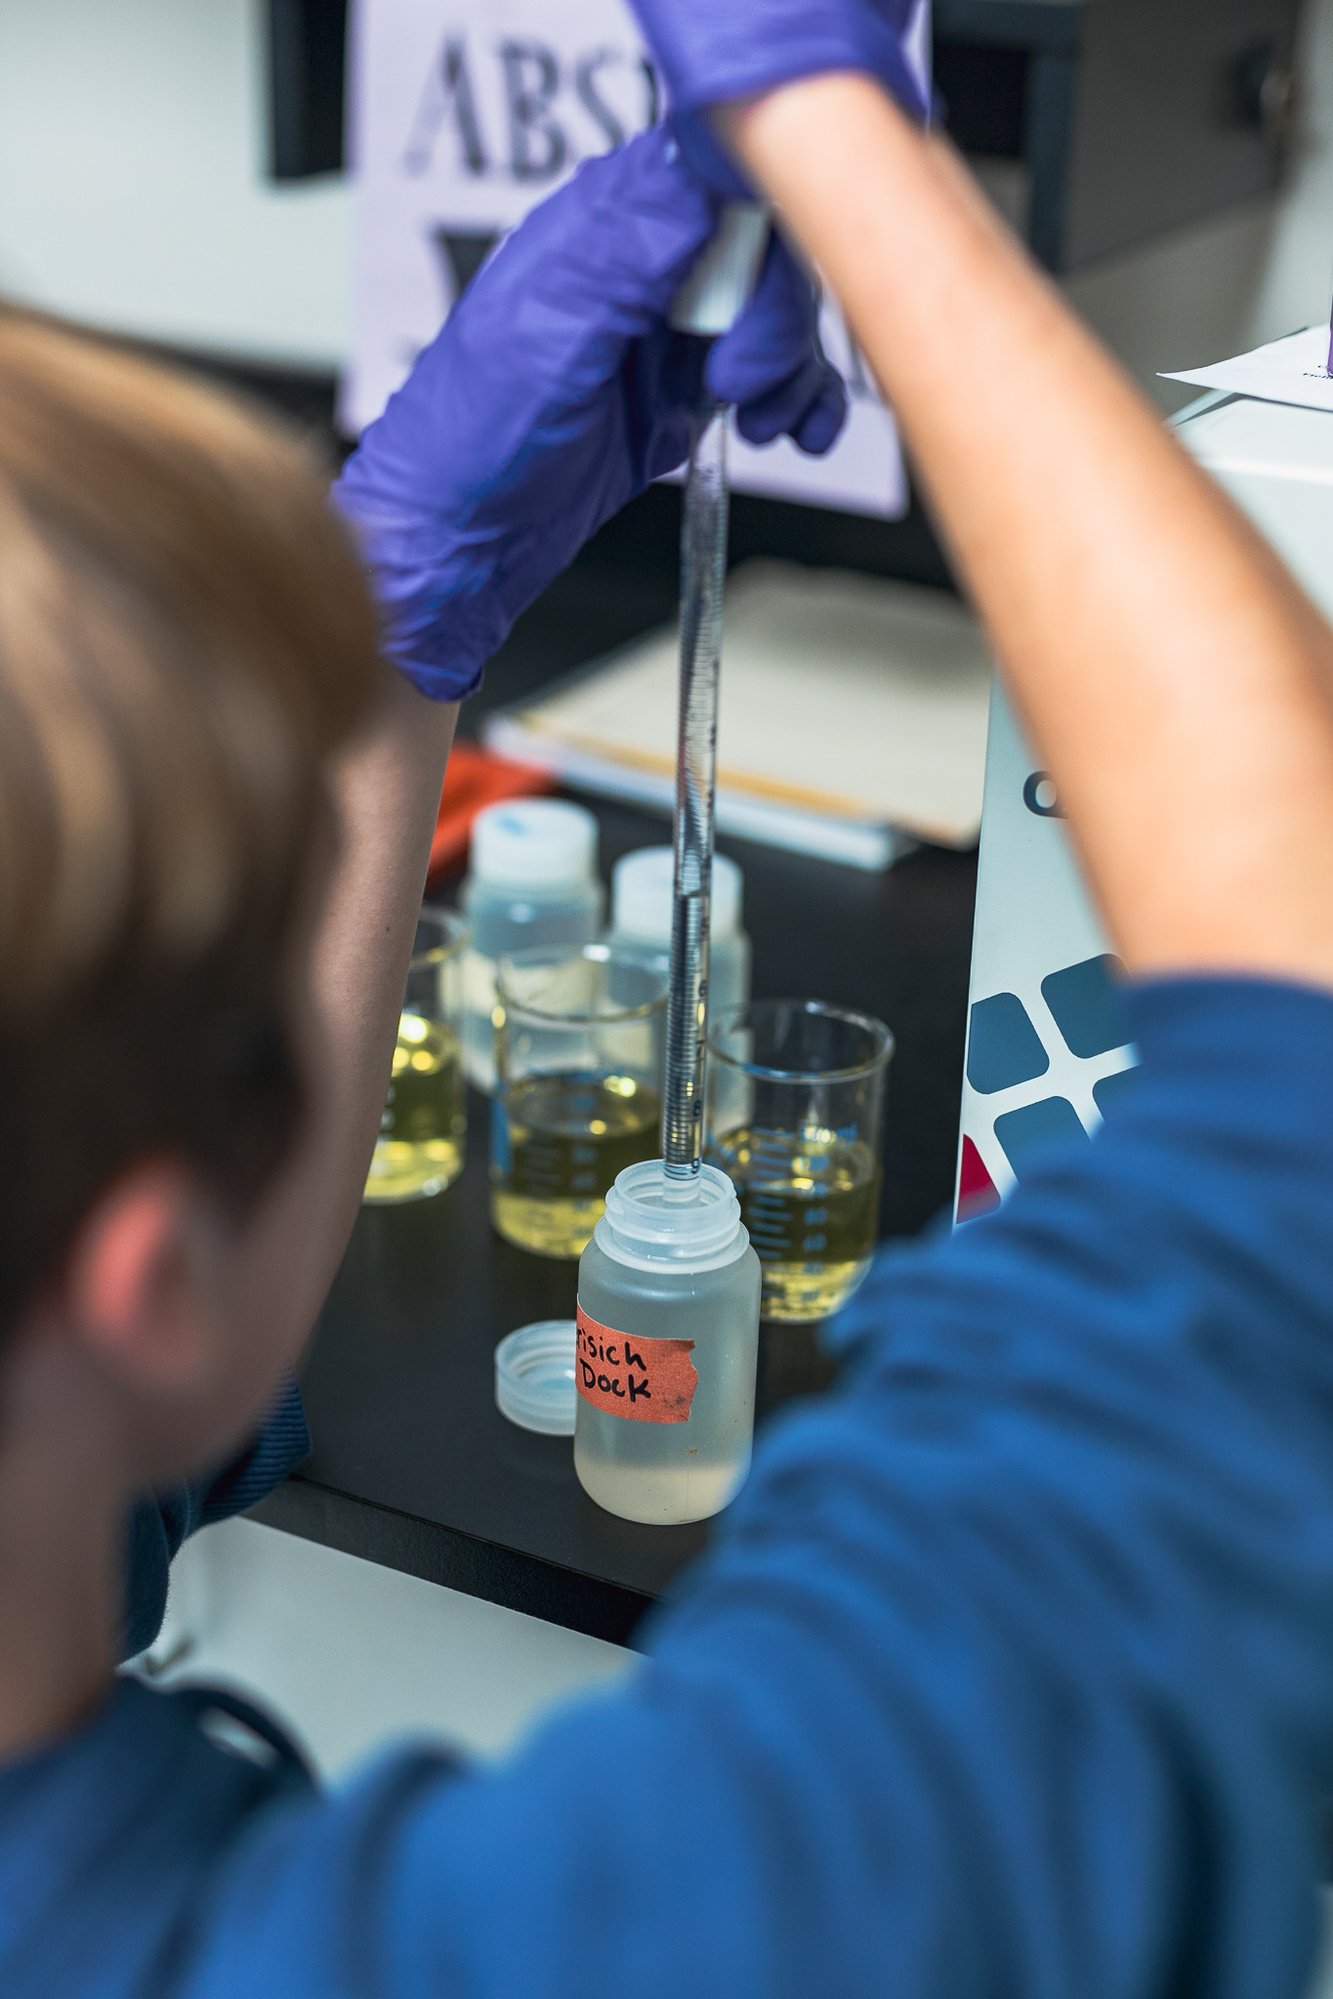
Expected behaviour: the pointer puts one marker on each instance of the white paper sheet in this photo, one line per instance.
(897, 736)
(464, 113)
(1294, 370)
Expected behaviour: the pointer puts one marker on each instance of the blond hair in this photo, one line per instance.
(185, 641)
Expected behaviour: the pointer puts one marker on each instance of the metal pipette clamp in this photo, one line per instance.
(708, 303)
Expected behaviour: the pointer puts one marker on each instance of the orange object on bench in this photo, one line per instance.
(475, 779)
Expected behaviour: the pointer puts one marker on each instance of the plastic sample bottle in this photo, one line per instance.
(668, 1341)
(532, 880)
(641, 907)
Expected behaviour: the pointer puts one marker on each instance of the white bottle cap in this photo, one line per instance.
(718, 289)
(641, 896)
(529, 842)
(534, 1377)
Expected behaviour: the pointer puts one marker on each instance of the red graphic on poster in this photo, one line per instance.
(977, 1192)
(645, 1381)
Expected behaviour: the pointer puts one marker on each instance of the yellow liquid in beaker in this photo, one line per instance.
(560, 1141)
(810, 1201)
(420, 1147)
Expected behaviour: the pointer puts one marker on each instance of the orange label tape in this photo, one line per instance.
(645, 1381)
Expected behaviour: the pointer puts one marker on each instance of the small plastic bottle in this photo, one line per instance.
(532, 880)
(668, 1341)
(641, 885)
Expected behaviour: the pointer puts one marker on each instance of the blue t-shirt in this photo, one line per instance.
(1011, 1672)
(158, 1527)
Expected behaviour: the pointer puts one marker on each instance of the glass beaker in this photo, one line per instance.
(795, 1099)
(419, 1150)
(579, 1037)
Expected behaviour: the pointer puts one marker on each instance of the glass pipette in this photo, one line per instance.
(709, 303)
(702, 583)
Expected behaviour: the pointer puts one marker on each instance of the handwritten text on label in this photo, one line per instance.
(645, 1381)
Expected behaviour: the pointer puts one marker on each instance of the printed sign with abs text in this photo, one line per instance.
(464, 113)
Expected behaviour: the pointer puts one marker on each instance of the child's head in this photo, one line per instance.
(185, 641)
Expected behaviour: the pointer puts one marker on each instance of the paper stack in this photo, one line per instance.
(853, 717)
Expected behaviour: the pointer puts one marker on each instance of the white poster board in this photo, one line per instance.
(1046, 1043)
(1047, 1049)
(463, 113)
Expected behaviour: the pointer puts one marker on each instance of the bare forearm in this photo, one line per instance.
(1172, 674)
(388, 797)
(387, 794)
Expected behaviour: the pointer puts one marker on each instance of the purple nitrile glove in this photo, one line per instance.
(714, 51)
(555, 392)
(752, 366)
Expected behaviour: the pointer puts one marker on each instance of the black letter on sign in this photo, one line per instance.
(633, 1359)
(585, 86)
(529, 99)
(639, 1391)
(448, 89)
(1039, 796)
(654, 87)
(463, 252)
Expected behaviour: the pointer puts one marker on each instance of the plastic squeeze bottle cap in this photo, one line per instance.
(720, 286)
(641, 896)
(534, 842)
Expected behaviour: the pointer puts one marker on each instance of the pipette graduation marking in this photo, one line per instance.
(703, 581)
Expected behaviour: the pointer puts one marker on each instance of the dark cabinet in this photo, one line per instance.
(1120, 118)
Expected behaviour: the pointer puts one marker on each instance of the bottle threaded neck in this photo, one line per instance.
(675, 1223)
